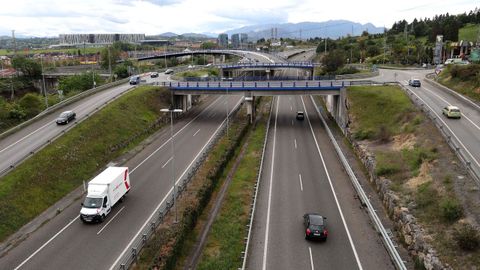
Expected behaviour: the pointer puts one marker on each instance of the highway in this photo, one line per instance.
(466, 129)
(66, 243)
(303, 174)
(18, 145)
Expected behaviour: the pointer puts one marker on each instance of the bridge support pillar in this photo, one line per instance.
(336, 106)
(183, 102)
(250, 101)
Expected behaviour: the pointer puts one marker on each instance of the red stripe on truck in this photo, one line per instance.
(125, 179)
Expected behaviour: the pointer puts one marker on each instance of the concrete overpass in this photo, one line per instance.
(266, 70)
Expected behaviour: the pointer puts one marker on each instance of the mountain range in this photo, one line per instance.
(303, 30)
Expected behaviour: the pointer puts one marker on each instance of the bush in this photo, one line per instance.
(467, 237)
(16, 112)
(451, 210)
(426, 195)
(347, 70)
(31, 104)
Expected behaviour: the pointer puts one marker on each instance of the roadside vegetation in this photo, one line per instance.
(425, 174)
(202, 73)
(77, 156)
(164, 249)
(464, 79)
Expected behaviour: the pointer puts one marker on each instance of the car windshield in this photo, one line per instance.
(455, 110)
(316, 220)
(64, 114)
(92, 202)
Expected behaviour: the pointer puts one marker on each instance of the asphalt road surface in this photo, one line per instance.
(18, 145)
(66, 243)
(302, 173)
(466, 129)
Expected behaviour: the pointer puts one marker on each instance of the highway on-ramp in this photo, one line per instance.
(66, 243)
(301, 174)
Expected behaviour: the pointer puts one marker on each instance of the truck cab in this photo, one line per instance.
(104, 191)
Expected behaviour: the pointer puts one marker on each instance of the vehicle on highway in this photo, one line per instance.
(169, 71)
(452, 112)
(65, 117)
(315, 226)
(456, 61)
(135, 79)
(104, 191)
(154, 75)
(191, 66)
(414, 82)
(300, 115)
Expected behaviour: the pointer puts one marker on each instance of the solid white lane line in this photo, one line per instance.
(301, 182)
(26, 136)
(451, 131)
(46, 243)
(292, 122)
(295, 142)
(168, 194)
(58, 233)
(291, 108)
(121, 209)
(311, 257)
(466, 117)
(359, 264)
(170, 159)
(267, 227)
(196, 132)
(167, 141)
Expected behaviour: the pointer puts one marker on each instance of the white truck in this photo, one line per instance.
(104, 191)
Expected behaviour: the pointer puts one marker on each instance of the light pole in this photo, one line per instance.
(171, 110)
(228, 113)
(43, 79)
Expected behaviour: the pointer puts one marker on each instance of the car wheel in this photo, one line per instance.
(306, 237)
(102, 218)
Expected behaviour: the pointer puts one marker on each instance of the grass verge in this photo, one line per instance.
(463, 79)
(225, 241)
(77, 156)
(165, 248)
(414, 155)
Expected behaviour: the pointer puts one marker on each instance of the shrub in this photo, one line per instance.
(451, 210)
(426, 195)
(16, 112)
(31, 104)
(467, 237)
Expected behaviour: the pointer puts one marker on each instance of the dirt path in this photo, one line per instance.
(200, 243)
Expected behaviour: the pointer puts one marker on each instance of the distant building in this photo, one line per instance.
(239, 40)
(222, 40)
(75, 39)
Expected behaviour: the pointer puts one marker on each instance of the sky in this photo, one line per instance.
(42, 18)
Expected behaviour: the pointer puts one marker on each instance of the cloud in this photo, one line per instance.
(114, 19)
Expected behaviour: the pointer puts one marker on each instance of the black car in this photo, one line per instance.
(154, 75)
(315, 226)
(65, 117)
(300, 115)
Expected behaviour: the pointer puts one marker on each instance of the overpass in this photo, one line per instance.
(335, 92)
(266, 70)
(239, 53)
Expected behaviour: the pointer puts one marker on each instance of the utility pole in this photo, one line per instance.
(109, 63)
(14, 43)
(384, 44)
(43, 79)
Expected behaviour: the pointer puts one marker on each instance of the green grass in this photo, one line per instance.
(75, 157)
(379, 111)
(226, 239)
(469, 32)
(199, 73)
(74, 51)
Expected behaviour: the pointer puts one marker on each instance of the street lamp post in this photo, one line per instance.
(43, 82)
(171, 110)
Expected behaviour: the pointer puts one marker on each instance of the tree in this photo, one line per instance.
(109, 56)
(334, 60)
(208, 45)
(27, 66)
(31, 104)
(121, 71)
(80, 82)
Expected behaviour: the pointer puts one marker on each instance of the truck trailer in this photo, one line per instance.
(104, 191)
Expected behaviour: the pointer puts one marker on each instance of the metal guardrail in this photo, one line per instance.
(47, 142)
(453, 141)
(387, 241)
(61, 104)
(262, 65)
(232, 86)
(259, 176)
(127, 258)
